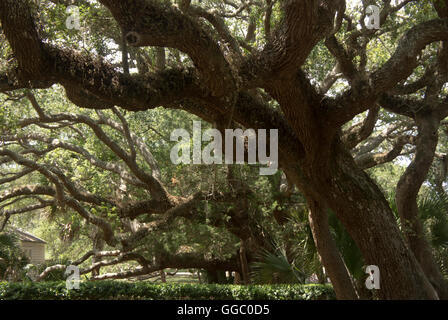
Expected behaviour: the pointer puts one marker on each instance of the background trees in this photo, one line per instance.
(347, 101)
(12, 259)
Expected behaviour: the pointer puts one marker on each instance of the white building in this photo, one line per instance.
(33, 246)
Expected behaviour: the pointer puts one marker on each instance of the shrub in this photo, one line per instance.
(121, 290)
(12, 258)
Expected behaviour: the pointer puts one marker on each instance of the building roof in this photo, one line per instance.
(25, 236)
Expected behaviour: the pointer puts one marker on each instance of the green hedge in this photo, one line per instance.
(121, 290)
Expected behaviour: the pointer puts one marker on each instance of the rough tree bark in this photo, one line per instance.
(360, 205)
(329, 254)
(406, 198)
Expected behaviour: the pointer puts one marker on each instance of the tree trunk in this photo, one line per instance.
(321, 276)
(361, 207)
(361, 289)
(237, 279)
(406, 198)
(163, 276)
(244, 264)
(124, 54)
(98, 245)
(329, 254)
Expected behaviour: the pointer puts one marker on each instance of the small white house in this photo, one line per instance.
(33, 246)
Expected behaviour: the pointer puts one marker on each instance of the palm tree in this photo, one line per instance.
(12, 258)
(433, 212)
(274, 267)
(277, 265)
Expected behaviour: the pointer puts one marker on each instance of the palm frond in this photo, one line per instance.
(433, 211)
(275, 268)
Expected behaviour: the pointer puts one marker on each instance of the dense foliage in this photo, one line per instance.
(86, 117)
(110, 290)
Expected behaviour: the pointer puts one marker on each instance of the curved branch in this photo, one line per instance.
(150, 23)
